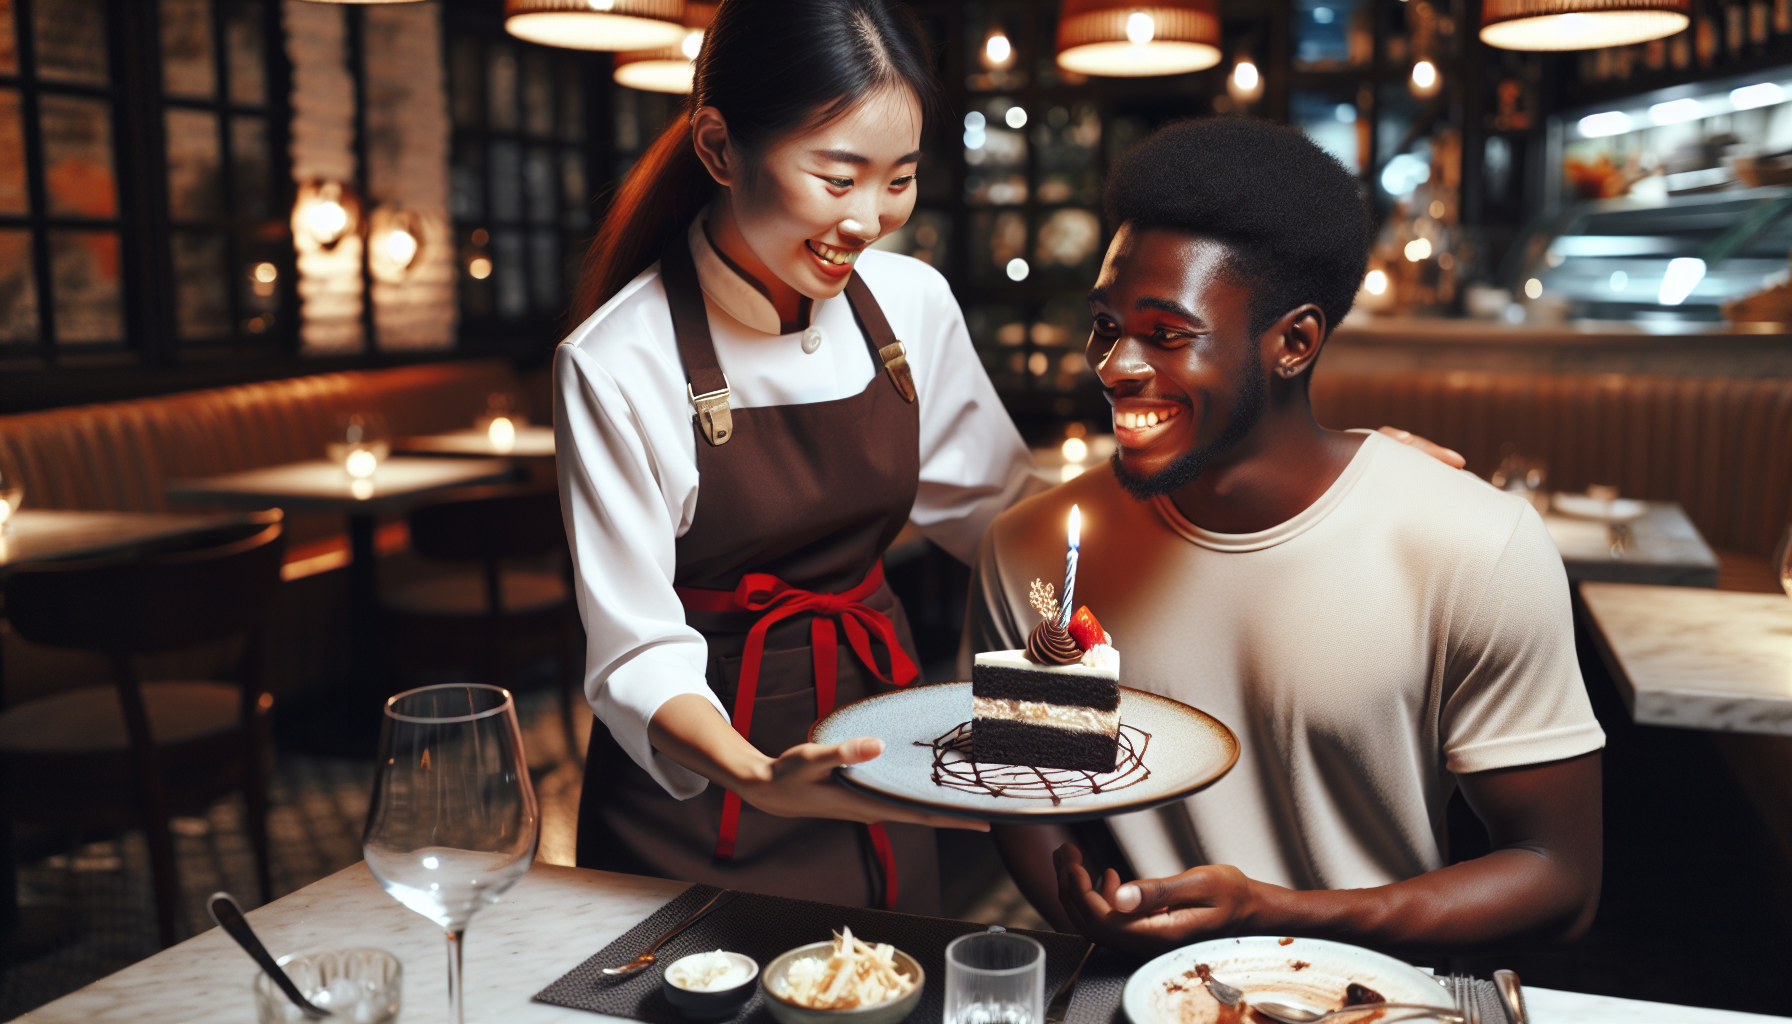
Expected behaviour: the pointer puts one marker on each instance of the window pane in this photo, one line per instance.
(245, 48)
(18, 287)
(187, 68)
(500, 89)
(9, 42)
(538, 185)
(194, 171)
(572, 190)
(84, 283)
(538, 93)
(544, 271)
(508, 270)
(507, 182)
(13, 197)
(254, 183)
(463, 80)
(71, 40)
(201, 307)
(572, 102)
(468, 183)
(77, 137)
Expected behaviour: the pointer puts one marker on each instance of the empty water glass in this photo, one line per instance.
(995, 977)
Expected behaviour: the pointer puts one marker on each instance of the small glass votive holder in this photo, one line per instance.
(357, 986)
(995, 977)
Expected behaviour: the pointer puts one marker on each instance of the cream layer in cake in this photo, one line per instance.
(1035, 712)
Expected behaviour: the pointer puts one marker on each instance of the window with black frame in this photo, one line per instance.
(224, 131)
(522, 182)
(60, 247)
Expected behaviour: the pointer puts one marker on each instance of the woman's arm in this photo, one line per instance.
(1540, 883)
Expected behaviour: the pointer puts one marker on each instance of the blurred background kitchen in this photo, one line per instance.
(316, 256)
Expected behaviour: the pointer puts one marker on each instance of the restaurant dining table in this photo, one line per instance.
(318, 485)
(48, 535)
(1661, 547)
(554, 919)
(1694, 658)
(535, 441)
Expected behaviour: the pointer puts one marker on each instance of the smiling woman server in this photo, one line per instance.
(751, 409)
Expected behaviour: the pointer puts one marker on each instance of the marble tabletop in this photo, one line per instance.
(1663, 547)
(1698, 659)
(535, 441)
(548, 924)
(42, 535)
(318, 485)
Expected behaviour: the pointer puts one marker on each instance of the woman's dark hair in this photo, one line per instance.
(1295, 219)
(771, 67)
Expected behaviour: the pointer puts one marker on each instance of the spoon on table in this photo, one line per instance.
(223, 908)
(1295, 1015)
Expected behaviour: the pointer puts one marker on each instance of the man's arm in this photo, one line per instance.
(1540, 883)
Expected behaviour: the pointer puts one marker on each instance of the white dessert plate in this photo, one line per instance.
(1309, 973)
(1580, 506)
(1184, 750)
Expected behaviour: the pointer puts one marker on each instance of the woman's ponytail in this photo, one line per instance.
(657, 199)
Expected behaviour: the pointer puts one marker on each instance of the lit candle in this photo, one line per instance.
(1068, 607)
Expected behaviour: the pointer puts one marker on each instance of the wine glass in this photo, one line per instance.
(453, 822)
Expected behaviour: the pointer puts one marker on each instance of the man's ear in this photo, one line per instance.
(709, 134)
(1295, 341)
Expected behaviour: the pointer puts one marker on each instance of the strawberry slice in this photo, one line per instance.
(1085, 629)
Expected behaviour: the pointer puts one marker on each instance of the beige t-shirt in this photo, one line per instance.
(1412, 623)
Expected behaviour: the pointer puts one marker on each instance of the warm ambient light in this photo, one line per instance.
(1764, 94)
(1580, 24)
(479, 268)
(1245, 75)
(619, 25)
(997, 50)
(361, 463)
(1682, 276)
(503, 434)
(668, 69)
(1164, 37)
(1245, 83)
(1533, 289)
(1376, 282)
(1418, 249)
(324, 213)
(401, 245)
(1425, 80)
(1018, 269)
(1075, 449)
(1611, 122)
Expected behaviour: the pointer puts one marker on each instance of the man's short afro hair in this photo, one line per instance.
(1295, 219)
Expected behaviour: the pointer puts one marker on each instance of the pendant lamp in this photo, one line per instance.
(1580, 24)
(597, 24)
(669, 68)
(1161, 37)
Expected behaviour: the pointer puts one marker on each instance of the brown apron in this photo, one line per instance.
(795, 508)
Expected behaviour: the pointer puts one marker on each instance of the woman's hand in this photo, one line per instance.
(1150, 916)
(798, 783)
(1447, 456)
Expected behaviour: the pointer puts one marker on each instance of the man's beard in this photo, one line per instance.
(1253, 399)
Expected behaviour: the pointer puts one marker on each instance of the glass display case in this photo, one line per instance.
(1669, 206)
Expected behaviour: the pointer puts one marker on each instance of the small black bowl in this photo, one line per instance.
(710, 1005)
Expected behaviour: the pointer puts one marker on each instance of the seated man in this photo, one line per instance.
(1376, 627)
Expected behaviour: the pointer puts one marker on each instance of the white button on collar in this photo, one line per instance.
(811, 340)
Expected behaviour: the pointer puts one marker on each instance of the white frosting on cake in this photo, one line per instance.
(1108, 669)
(1058, 716)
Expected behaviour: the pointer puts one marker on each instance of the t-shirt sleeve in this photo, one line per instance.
(1514, 694)
(989, 620)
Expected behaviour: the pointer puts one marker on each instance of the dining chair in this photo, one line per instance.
(135, 752)
(491, 612)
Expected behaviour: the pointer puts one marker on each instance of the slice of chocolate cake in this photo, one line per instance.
(1046, 715)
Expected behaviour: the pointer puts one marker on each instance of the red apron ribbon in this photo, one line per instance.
(763, 592)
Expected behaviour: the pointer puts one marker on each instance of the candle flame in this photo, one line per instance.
(1076, 527)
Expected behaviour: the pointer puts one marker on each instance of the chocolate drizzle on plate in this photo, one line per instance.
(1049, 645)
(954, 769)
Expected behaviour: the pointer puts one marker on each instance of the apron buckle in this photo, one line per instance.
(713, 414)
(895, 358)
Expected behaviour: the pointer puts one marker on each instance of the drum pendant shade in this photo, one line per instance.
(669, 68)
(1580, 24)
(597, 24)
(1161, 37)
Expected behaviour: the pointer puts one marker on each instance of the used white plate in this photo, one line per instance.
(1308, 973)
(1580, 506)
(1189, 750)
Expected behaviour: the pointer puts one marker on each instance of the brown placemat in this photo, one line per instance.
(762, 927)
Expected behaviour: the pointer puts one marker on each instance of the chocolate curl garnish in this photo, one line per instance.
(1049, 645)
(1039, 595)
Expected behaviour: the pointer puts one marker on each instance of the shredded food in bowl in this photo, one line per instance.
(854, 975)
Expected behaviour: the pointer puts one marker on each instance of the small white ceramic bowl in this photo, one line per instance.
(710, 1005)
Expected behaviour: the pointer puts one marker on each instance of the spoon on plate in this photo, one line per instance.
(224, 910)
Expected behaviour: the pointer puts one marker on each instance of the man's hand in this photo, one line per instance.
(1150, 916)
(1448, 457)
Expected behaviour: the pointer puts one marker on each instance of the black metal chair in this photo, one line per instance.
(135, 752)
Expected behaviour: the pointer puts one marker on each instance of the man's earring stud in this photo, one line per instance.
(1287, 369)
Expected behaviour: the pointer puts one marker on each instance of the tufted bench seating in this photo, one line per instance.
(120, 455)
(1721, 447)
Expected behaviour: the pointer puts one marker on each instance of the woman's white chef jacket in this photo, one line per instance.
(628, 461)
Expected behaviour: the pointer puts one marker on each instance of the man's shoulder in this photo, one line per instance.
(1414, 489)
